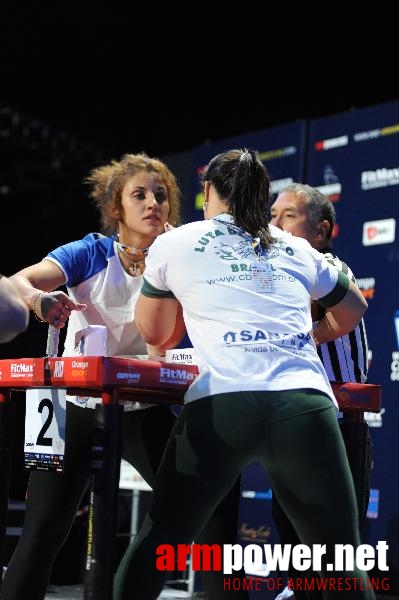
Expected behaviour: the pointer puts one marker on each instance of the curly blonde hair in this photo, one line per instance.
(109, 180)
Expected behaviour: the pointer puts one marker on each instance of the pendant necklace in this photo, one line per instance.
(136, 269)
(126, 253)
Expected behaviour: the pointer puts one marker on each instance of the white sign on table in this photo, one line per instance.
(45, 419)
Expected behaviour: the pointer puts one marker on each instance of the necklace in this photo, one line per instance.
(134, 268)
(131, 250)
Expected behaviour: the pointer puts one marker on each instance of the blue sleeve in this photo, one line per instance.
(83, 258)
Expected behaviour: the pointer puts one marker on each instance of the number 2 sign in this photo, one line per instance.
(45, 417)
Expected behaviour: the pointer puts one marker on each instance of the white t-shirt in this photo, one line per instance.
(94, 275)
(247, 315)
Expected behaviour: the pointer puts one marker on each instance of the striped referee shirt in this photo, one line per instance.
(346, 358)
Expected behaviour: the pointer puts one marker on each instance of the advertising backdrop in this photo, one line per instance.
(280, 149)
(354, 159)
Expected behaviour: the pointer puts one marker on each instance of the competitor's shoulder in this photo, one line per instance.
(81, 259)
(97, 239)
(91, 243)
(287, 238)
(338, 263)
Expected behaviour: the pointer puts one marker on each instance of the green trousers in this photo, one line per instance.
(294, 434)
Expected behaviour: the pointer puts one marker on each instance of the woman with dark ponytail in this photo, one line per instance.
(262, 393)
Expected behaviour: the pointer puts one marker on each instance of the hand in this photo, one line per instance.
(55, 308)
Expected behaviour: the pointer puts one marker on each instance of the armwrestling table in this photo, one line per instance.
(114, 380)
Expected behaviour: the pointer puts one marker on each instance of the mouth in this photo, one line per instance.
(154, 221)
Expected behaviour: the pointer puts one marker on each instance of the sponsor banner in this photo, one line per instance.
(147, 373)
(75, 371)
(358, 151)
(96, 371)
(379, 232)
(20, 372)
(280, 148)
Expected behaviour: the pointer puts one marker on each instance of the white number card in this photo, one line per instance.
(45, 420)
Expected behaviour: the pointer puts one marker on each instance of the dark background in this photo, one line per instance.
(129, 77)
(82, 84)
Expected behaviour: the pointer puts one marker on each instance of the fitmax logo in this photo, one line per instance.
(167, 373)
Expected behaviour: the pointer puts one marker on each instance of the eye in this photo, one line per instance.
(161, 197)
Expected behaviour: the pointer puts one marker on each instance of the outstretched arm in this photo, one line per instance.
(14, 314)
(38, 285)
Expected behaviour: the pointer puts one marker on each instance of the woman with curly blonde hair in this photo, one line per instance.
(137, 198)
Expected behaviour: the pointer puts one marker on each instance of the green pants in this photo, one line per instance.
(294, 434)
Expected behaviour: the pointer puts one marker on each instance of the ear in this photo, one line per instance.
(322, 229)
(116, 213)
(206, 191)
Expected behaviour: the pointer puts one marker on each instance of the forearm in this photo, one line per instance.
(341, 318)
(328, 328)
(160, 322)
(14, 315)
(44, 276)
(37, 287)
(27, 291)
(177, 334)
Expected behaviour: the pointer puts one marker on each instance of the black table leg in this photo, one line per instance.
(7, 412)
(100, 563)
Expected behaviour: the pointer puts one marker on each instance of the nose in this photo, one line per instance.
(151, 199)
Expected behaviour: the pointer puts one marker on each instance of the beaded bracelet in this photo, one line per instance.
(34, 307)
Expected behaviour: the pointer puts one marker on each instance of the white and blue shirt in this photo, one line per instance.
(94, 275)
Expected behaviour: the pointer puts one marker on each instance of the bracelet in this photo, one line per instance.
(34, 307)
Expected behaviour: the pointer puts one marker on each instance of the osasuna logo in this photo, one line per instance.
(379, 232)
